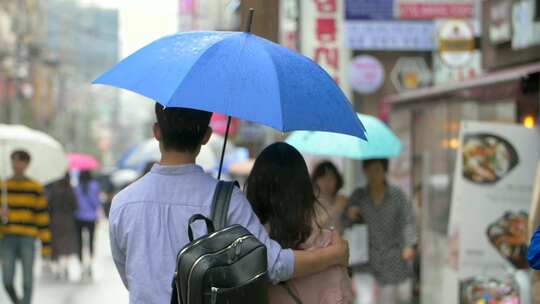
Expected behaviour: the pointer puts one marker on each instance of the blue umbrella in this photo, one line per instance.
(383, 143)
(237, 74)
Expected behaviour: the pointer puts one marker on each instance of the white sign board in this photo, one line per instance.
(492, 191)
(366, 74)
(456, 42)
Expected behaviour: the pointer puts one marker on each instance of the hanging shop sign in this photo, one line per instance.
(526, 28)
(390, 35)
(500, 24)
(444, 73)
(369, 9)
(288, 24)
(410, 73)
(366, 74)
(456, 42)
(322, 37)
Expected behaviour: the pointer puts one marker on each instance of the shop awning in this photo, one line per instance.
(506, 75)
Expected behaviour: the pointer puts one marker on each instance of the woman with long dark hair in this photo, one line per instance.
(280, 191)
(87, 192)
(327, 182)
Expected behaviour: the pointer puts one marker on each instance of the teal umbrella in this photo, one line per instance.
(381, 142)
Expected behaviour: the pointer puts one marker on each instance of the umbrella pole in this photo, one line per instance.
(224, 146)
(248, 30)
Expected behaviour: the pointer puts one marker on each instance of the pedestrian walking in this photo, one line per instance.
(27, 220)
(392, 233)
(327, 182)
(87, 193)
(149, 219)
(65, 242)
(280, 191)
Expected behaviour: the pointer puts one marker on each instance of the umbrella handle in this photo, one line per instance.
(224, 147)
(250, 20)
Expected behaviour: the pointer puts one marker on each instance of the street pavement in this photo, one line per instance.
(105, 288)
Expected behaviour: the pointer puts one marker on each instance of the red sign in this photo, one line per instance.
(435, 10)
(326, 52)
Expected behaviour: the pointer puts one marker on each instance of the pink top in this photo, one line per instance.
(331, 286)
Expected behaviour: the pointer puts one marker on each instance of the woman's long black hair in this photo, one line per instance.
(280, 191)
(84, 180)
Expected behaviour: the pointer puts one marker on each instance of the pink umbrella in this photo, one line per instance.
(219, 124)
(78, 161)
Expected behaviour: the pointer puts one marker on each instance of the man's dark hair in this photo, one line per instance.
(182, 129)
(21, 155)
(384, 162)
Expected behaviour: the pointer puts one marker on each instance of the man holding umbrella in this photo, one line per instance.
(27, 219)
(148, 218)
(190, 75)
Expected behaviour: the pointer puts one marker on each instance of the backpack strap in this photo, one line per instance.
(220, 203)
(174, 296)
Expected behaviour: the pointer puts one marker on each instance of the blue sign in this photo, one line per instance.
(369, 9)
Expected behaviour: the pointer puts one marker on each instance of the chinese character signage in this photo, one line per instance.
(322, 37)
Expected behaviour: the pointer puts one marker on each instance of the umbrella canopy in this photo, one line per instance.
(237, 74)
(382, 142)
(49, 162)
(123, 177)
(78, 161)
(136, 157)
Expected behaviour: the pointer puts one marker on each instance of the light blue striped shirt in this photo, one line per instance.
(148, 226)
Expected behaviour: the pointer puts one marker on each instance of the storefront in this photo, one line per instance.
(427, 120)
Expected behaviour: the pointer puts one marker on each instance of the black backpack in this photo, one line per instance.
(228, 265)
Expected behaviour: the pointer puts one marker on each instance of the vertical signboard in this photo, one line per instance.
(322, 37)
(288, 24)
(491, 197)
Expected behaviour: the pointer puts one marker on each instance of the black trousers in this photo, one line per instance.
(91, 227)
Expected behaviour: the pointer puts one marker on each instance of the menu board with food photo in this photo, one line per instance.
(491, 195)
(487, 158)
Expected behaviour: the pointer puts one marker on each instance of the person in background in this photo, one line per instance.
(280, 191)
(327, 182)
(87, 192)
(392, 233)
(27, 219)
(62, 206)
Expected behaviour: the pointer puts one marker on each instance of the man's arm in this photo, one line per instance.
(118, 253)
(313, 261)
(42, 221)
(283, 264)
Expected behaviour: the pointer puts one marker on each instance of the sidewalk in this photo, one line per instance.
(106, 288)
